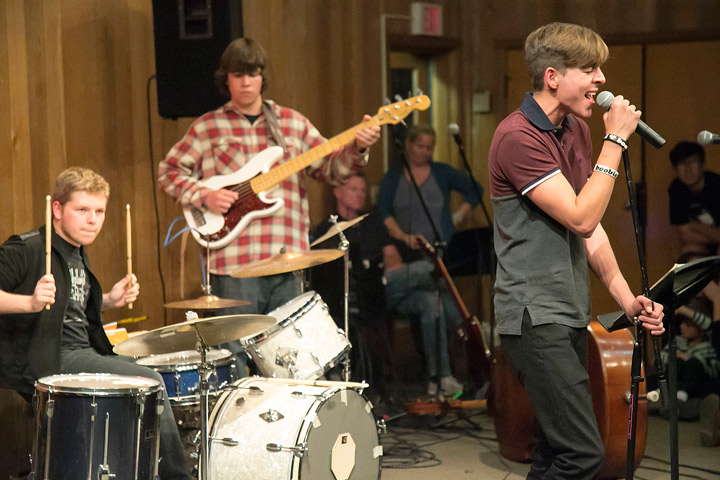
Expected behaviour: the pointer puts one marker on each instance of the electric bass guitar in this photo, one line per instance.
(254, 179)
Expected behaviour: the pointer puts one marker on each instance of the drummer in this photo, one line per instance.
(68, 337)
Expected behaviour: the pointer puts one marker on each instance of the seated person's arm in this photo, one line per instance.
(694, 236)
(44, 294)
(123, 292)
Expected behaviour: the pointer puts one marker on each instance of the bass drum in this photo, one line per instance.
(266, 429)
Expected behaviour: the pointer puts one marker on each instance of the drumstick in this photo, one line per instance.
(48, 238)
(317, 383)
(129, 247)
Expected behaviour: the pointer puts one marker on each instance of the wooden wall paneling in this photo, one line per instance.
(682, 100)
(54, 111)
(20, 168)
(6, 160)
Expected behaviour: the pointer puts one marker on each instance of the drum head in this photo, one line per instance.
(343, 436)
(97, 384)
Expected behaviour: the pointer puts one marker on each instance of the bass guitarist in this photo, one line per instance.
(221, 142)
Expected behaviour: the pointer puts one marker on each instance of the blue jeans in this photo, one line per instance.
(265, 294)
(172, 456)
(412, 290)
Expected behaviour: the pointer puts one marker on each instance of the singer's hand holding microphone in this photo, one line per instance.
(621, 117)
(609, 101)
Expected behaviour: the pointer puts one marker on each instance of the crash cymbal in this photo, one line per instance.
(184, 336)
(337, 228)
(287, 262)
(206, 302)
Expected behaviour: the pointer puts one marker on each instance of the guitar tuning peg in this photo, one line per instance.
(409, 94)
(419, 92)
(398, 98)
(403, 122)
(387, 101)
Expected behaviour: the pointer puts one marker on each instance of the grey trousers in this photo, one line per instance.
(551, 361)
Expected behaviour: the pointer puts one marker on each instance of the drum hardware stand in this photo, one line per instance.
(104, 469)
(345, 247)
(160, 408)
(49, 411)
(204, 373)
(141, 411)
(93, 415)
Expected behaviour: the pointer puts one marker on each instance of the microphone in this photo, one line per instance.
(455, 132)
(604, 99)
(706, 137)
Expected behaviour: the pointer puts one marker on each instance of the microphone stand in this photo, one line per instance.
(475, 183)
(439, 244)
(638, 344)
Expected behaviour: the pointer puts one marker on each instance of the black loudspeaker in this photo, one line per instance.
(190, 36)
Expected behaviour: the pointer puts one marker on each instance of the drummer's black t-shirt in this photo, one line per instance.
(75, 323)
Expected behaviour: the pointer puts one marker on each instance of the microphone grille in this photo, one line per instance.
(454, 129)
(705, 137)
(604, 99)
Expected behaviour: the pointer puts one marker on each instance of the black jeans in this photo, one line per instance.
(551, 361)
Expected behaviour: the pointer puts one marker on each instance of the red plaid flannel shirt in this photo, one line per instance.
(221, 142)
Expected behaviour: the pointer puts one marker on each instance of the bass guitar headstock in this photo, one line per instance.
(395, 112)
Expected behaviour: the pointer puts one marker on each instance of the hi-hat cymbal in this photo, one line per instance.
(287, 262)
(206, 302)
(184, 336)
(337, 228)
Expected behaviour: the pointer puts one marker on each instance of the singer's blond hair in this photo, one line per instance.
(562, 46)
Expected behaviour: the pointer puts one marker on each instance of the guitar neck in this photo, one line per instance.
(268, 180)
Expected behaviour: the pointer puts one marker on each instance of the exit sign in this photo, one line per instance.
(426, 19)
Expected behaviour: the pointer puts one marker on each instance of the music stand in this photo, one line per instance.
(679, 284)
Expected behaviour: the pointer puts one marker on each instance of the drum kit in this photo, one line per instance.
(289, 423)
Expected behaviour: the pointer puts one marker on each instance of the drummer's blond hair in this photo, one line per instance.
(78, 179)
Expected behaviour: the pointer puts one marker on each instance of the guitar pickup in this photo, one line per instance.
(198, 216)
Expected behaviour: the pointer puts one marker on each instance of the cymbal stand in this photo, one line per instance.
(345, 247)
(204, 371)
(207, 289)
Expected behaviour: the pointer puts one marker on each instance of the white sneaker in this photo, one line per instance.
(432, 388)
(450, 386)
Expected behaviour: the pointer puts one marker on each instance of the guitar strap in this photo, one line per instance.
(272, 122)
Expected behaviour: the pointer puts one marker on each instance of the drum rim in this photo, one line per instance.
(153, 385)
(223, 361)
(281, 324)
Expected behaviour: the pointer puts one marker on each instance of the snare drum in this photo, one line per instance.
(266, 429)
(88, 425)
(180, 373)
(304, 343)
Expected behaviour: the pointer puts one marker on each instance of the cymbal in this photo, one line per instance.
(206, 302)
(337, 228)
(184, 336)
(287, 262)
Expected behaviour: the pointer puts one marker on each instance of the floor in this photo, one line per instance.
(425, 447)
